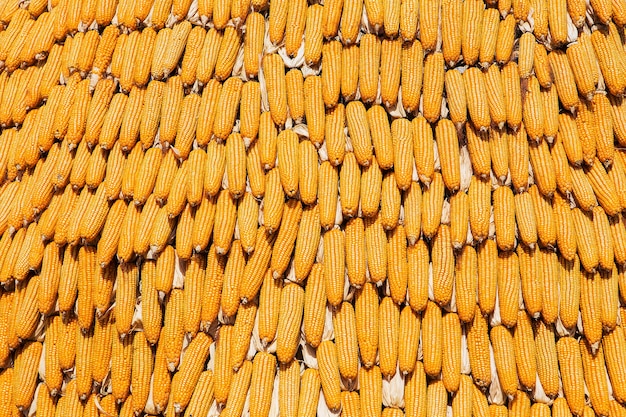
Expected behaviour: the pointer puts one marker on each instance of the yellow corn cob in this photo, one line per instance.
(506, 33)
(273, 69)
(586, 239)
(433, 86)
(367, 313)
(296, 95)
(189, 372)
(313, 108)
(173, 331)
(504, 354)
(455, 96)
(269, 308)
(429, 12)
(590, 289)
(253, 43)
(542, 66)
(432, 338)
(273, 201)
(346, 341)
(432, 199)
(334, 261)
(412, 74)
(398, 271)
(328, 183)
(415, 391)
(257, 263)
(128, 275)
(391, 58)
(489, 36)
(234, 268)
(512, 95)
(504, 217)
(329, 374)
(412, 212)
(67, 338)
(141, 371)
(84, 365)
(315, 306)
(313, 36)
(121, 366)
(478, 346)
(436, 398)
(194, 283)
(618, 231)
(25, 375)
(371, 393)
(614, 357)
(543, 168)
(295, 23)
(564, 79)
(334, 136)
(451, 357)
(309, 393)
(526, 54)
(508, 287)
(610, 298)
(209, 55)
(236, 165)
(227, 55)
(423, 149)
(331, 78)
(27, 314)
(450, 27)
(349, 186)
(448, 146)
(595, 377)
(349, 71)
(238, 390)
(262, 383)
(288, 158)
(202, 229)
(603, 238)
(478, 147)
(307, 242)
(409, 333)
(389, 318)
(462, 403)
(185, 230)
(223, 371)
(472, 28)
(466, 283)
(390, 202)
(369, 62)
(487, 263)
(202, 396)
(375, 240)
(286, 238)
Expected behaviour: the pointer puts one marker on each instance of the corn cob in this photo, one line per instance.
(202, 396)
(25, 375)
(238, 390)
(315, 307)
(223, 371)
(448, 145)
(286, 238)
(331, 78)
(334, 136)
(451, 358)
(433, 86)
(390, 202)
(308, 172)
(327, 195)
(329, 374)
(346, 341)
(595, 377)
(313, 36)
(309, 392)
(432, 336)
(414, 391)
(274, 72)
(504, 218)
(436, 398)
(489, 37)
(189, 372)
(409, 331)
(257, 263)
(269, 308)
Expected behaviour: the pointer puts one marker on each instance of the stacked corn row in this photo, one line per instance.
(280, 208)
